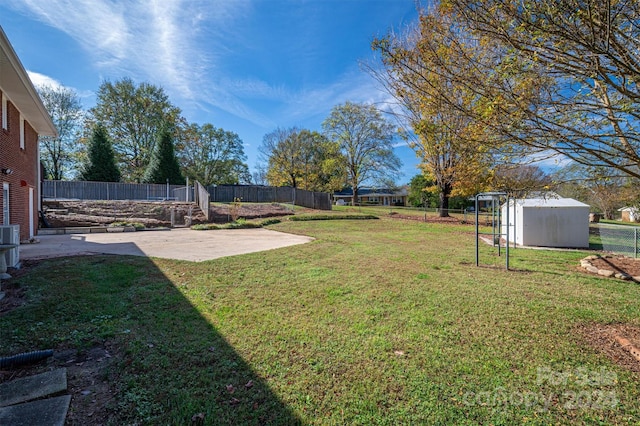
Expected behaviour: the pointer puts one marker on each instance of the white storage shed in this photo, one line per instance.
(547, 222)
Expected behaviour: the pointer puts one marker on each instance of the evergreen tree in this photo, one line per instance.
(164, 164)
(101, 163)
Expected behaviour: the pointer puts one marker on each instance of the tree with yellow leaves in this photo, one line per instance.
(303, 159)
(420, 70)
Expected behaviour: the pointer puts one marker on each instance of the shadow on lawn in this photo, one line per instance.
(168, 364)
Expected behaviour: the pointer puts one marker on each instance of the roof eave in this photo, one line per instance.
(17, 86)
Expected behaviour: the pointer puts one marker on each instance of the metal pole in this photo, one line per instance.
(635, 242)
(477, 233)
(507, 227)
(494, 218)
(167, 189)
(515, 221)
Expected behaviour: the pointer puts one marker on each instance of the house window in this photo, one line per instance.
(5, 203)
(5, 121)
(21, 132)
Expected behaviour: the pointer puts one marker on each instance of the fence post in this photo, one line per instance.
(635, 242)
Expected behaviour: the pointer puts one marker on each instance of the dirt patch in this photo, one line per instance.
(87, 381)
(619, 264)
(602, 337)
(59, 214)
(87, 370)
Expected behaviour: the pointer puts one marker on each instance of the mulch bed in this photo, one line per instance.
(622, 264)
(602, 337)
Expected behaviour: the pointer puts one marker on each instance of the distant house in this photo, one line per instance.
(23, 118)
(630, 214)
(371, 196)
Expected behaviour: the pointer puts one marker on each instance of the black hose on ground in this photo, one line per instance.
(25, 358)
(43, 220)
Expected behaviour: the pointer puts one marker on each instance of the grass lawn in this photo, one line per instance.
(375, 322)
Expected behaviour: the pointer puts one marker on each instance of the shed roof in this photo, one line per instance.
(15, 82)
(550, 202)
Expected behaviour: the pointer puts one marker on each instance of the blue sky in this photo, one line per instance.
(247, 66)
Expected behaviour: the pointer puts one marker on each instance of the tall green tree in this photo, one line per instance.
(100, 163)
(135, 117)
(422, 192)
(365, 139)
(303, 159)
(164, 166)
(64, 107)
(213, 156)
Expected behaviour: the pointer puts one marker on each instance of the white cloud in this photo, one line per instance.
(548, 160)
(148, 40)
(185, 45)
(43, 80)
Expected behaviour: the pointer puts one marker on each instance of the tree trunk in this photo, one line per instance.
(608, 214)
(444, 201)
(354, 200)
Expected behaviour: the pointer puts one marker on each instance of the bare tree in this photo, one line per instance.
(583, 57)
(65, 109)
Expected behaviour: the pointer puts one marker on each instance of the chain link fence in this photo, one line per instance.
(622, 239)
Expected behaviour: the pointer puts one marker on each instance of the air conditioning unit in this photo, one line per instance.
(10, 234)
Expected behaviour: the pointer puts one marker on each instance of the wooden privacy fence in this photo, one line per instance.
(83, 190)
(270, 194)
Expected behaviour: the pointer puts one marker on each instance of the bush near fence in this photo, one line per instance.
(83, 190)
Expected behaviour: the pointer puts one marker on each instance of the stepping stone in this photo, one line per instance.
(44, 412)
(32, 387)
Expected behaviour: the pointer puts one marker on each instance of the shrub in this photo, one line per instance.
(333, 217)
(268, 222)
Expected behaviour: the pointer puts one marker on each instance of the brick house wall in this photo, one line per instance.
(23, 161)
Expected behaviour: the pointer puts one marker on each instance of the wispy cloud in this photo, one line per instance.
(186, 46)
(149, 40)
(548, 160)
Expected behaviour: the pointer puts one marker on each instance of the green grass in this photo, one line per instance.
(619, 222)
(374, 322)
